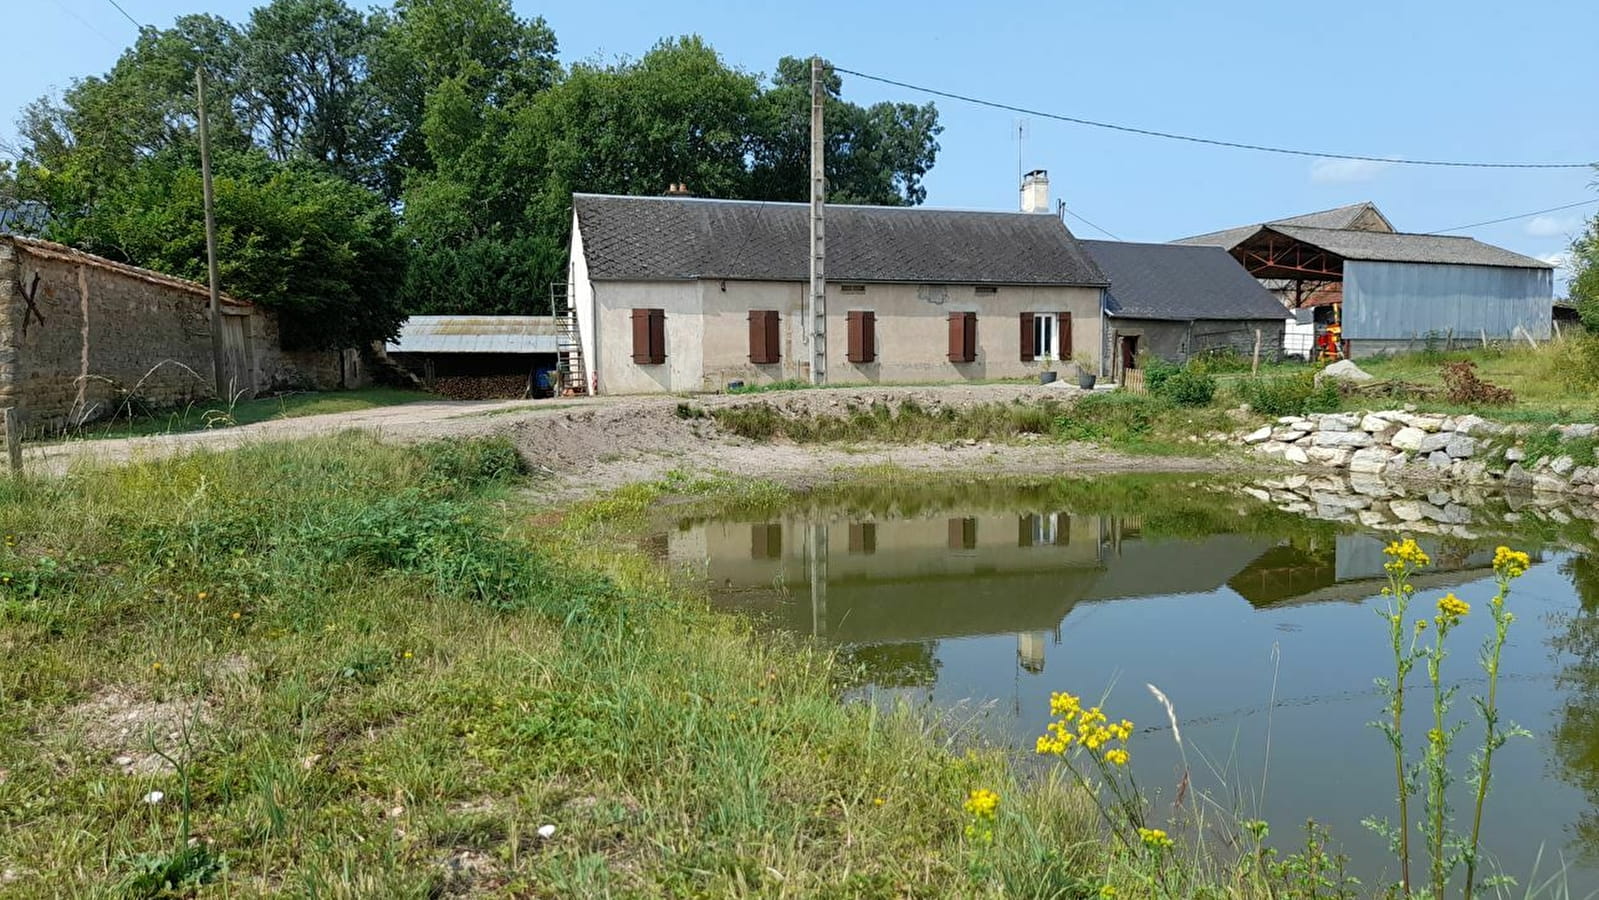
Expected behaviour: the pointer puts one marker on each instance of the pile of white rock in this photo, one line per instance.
(1454, 509)
(1405, 445)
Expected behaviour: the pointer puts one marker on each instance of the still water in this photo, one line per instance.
(1260, 626)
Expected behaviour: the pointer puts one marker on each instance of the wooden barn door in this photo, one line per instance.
(236, 368)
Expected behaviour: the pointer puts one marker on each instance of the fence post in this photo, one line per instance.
(1254, 365)
(13, 440)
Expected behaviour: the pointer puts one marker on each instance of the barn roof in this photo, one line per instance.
(1377, 246)
(475, 334)
(1174, 281)
(1364, 215)
(677, 238)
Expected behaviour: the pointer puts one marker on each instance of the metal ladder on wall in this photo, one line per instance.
(569, 361)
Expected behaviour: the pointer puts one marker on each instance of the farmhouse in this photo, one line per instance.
(684, 294)
(1176, 301)
(1390, 290)
(83, 337)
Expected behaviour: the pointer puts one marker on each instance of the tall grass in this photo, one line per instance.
(396, 679)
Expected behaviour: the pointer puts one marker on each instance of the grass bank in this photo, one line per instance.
(340, 668)
(216, 414)
(1142, 424)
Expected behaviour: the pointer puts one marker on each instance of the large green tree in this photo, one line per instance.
(1584, 287)
(452, 118)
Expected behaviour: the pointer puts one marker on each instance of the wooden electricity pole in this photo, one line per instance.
(818, 295)
(210, 242)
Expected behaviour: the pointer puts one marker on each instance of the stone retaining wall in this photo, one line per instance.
(1409, 446)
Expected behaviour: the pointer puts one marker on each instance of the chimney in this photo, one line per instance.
(1035, 192)
(677, 189)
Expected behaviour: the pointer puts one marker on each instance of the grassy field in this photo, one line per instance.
(201, 416)
(342, 669)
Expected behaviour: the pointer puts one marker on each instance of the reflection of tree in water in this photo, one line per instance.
(891, 665)
(1577, 734)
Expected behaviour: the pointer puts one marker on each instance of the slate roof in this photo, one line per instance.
(677, 238)
(1378, 246)
(475, 334)
(1338, 217)
(1175, 281)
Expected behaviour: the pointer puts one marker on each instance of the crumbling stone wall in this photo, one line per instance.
(81, 336)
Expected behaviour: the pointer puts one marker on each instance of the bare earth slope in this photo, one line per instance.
(604, 442)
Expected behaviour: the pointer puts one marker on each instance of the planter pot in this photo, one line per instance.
(1046, 377)
(1085, 380)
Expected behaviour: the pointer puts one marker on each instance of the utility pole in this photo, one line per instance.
(210, 242)
(818, 295)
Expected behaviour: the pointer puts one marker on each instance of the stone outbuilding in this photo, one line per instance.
(85, 338)
(1175, 301)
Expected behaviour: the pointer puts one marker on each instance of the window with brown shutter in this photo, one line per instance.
(1028, 339)
(962, 337)
(1063, 336)
(649, 336)
(764, 337)
(862, 335)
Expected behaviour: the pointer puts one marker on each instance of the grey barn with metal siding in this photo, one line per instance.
(476, 346)
(1178, 301)
(1397, 290)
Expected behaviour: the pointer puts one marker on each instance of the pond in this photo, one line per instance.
(1260, 625)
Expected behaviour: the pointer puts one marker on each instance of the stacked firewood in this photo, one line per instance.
(481, 387)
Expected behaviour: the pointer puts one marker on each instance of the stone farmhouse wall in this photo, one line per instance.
(80, 335)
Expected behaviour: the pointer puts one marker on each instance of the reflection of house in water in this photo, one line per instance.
(901, 581)
(1350, 569)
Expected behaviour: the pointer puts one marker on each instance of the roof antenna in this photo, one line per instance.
(1022, 130)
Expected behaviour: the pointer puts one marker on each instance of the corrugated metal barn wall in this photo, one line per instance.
(1402, 301)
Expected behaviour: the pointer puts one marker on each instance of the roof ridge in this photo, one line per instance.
(736, 202)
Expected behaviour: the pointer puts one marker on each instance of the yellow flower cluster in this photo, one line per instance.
(1154, 838)
(1452, 609)
(1093, 730)
(1405, 553)
(982, 803)
(1511, 563)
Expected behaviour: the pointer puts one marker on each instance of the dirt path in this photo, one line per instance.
(592, 444)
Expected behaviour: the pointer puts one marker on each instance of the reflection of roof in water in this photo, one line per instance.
(1146, 567)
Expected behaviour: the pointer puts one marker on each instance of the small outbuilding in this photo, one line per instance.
(1175, 301)
(478, 357)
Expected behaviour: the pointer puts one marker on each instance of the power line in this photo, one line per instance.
(1097, 228)
(125, 14)
(1236, 145)
(1536, 212)
(85, 23)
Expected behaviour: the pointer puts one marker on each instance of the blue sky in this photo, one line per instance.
(1464, 79)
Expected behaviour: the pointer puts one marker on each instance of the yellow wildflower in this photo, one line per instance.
(1154, 838)
(1452, 609)
(982, 803)
(1116, 757)
(1406, 553)
(1511, 563)
(1108, 892)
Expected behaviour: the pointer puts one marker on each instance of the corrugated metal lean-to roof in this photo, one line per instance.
(475, 334)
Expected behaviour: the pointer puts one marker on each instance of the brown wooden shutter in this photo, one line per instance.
(764, 333)
(962, 336)
(1063, 336)
(641, 336)
(862, 329)
(1024, 531)
(1027, 337)
(657, 336)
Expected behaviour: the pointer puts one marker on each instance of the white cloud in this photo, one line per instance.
(1345, 171)
(1552, 226)
(1560, 260)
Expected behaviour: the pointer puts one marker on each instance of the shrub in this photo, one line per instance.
(1111, 418)
(1461, 385)
(1188, 388)
(1577, 361)
(1157, 371)
(1289, 395)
